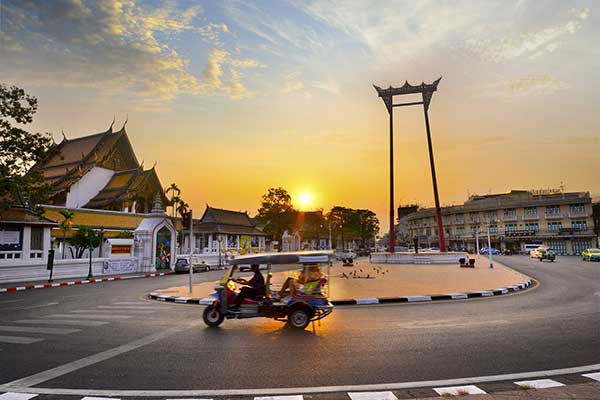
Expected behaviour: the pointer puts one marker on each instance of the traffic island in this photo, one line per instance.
(365, 283)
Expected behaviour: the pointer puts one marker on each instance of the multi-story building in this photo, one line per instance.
(560, 220)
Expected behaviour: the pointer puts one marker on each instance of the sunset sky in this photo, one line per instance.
(231, 98)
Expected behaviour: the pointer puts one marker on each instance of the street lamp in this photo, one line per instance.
(490, 241)
(426, 91)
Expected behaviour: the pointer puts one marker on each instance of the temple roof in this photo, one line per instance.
(227, 221)
(24, 216)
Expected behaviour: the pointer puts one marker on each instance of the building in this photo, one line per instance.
(220, 231)
(100, 172)
(560, 220)
(24, 236)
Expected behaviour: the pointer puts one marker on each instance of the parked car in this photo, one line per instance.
(543, 253)
(182, 265)
(363, 252)
(487, 251)
(590, 255)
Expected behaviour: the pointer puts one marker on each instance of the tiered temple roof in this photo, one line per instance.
(217, 220)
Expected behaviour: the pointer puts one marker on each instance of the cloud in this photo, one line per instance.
(532, 44)
(541, 84)
(116, 47)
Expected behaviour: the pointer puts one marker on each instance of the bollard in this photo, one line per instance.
(50, 264)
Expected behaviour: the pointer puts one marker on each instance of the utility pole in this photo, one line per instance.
(191, 249)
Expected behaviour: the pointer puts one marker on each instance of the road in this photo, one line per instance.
(108, 336)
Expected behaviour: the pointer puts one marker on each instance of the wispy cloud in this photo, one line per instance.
(530, 44)
(541, 84)
(115, 47)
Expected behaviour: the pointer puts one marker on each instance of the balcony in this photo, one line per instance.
(574, 231)
(530, 217)
(521, 233)
(510, 218)
(578, 214)
(553, 216)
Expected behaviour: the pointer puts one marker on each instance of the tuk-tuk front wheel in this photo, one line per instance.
(212, 316)
(299, 318)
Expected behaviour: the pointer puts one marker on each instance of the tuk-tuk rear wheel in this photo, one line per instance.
(212, 316)
(299, 318)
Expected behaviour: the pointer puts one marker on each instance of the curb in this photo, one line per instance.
(383, 300)
(82, 282)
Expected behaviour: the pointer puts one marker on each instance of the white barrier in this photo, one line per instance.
(419, 259)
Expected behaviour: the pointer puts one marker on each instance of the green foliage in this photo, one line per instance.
(349, 224)
(84, 238)
(125, 235)
(20, 150)
(276, 212)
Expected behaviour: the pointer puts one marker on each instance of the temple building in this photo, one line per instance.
(100, 172)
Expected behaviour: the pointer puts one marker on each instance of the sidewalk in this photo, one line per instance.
(18, 286)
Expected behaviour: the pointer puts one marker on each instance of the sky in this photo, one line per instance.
(230, 98)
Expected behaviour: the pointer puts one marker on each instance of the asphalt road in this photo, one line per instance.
(123, 341)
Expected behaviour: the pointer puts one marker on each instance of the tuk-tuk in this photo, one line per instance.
(299, 307)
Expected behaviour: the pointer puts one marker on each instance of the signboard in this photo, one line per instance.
(120, 249)
(119, 266)
(10, 239)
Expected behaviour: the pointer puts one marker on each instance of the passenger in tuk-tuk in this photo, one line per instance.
(306, 282)
(255, 286)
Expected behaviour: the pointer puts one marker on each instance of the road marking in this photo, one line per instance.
(137, 312)
(133, 303)
(459, 296)
(64, 369)
(418, 298)
(17, 396)
(594, 375)
(297, 397)
(367, 301)
(125, 307)
(99, 398)
(99, 316)
(19, 339)
(36, 329)
(19, 387)
(60, 322)
(372, 396)
(459, 390)
(540, 384)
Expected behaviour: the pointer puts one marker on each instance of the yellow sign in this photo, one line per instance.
(121, 249)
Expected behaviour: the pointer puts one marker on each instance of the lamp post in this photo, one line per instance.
(490, 242)
(426, 90)
(91, 234)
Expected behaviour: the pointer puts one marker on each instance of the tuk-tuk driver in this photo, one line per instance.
(255, 286)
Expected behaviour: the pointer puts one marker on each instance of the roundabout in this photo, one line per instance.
(548, 332)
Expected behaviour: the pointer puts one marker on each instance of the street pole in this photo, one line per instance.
(191, 249)
(392, 237)
(90, 276)
(330, 236)
(489, 246)
(438, 210)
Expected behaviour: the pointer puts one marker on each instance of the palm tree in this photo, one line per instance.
(65, 225)
(175, 192)
(182, 207)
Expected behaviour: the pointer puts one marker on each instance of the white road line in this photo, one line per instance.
(459, 296)
(367, 301)
(540, 384)
(124, 307)
(20, 387)
(296, 397)
(99, 398)
(137, 312)
(37, 329)
(17, 396)
(418, 298)
(94, 316)
(19, 339)
(459, 390)
(60, 322)
(132, 303)
(372, 396)
(67, 368)
(594, 375)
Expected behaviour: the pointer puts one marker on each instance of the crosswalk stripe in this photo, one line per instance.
(99, 398)
(137, 312)
(60, 322)
(594, 375)
(540, 383)
(94, 316)
(37, 329)
(293, 397)
(372, 396)
(17, 396)
(458, 390)
(127, 307)
(19, 339)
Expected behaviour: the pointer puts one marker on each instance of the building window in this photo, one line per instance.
(577, 208)
(530, 211)
(37, 238)
(460, 230)
(475, 217)
(554, 226)
(532, 226)
(580, 245)
(493, 228)
(510, 212)
(510, 227)
(581, 225)
(559, 246)
(491, 215)
(552, 210)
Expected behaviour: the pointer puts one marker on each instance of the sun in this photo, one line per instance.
(305, 200)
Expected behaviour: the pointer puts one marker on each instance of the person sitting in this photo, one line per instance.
(254, 287)
(307, 281)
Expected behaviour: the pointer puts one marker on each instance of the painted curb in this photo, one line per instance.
(382, 300)
(82, 282)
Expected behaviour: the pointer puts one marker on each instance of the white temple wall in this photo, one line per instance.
(88, 186)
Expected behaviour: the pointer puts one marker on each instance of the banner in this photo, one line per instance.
(119, 266)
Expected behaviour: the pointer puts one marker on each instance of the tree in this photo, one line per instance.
(175, 192)
(182, 207)
(20, 150)
(84, 239)
(65, 225)
(277, 212)
(368, 226)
